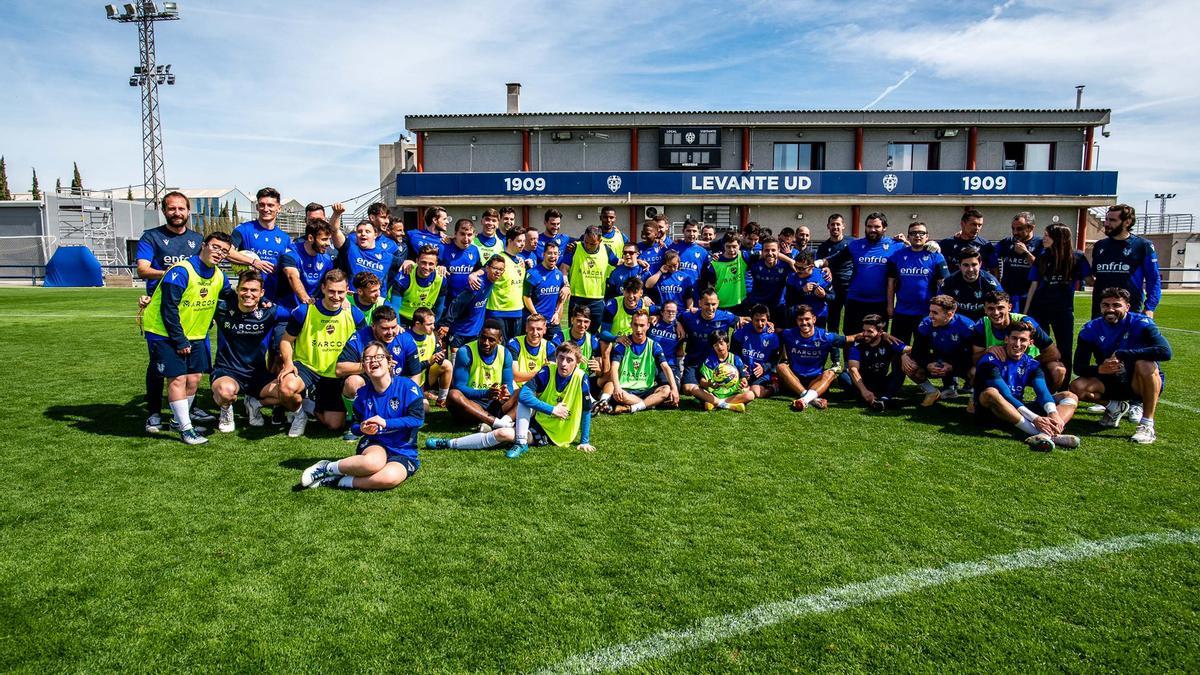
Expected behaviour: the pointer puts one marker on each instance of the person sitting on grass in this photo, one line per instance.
(806, 349)
(1002, 376)
(482, 388)
(554, 409)
(392, 410)
(384, 328)
(724, 382)
(941, 348)
(638, 366)
(873, 364)
(1116, 357)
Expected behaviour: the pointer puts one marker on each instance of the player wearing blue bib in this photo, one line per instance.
(392, 410)
(262, 237)
(1015, 256)
(670, 284)
(968, 237)
(805, 350)
(482, 388)
(807, 286)
(873, 364)
(914, 275)
(1058, 272)
(867, 290)
(1117, 359)
(546, 290)
(693, 257)
(969, 284)
(366, 253)
(941, 348)
(157, 250)
(1122, 260)
(758, 346)
(639, 377)
(244, 328)
(303, 264)
(402, 349)
(1001, 378)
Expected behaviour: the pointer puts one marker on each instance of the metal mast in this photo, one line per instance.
(148, 75)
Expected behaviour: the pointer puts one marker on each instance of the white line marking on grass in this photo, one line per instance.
(1181, 406)
(81, 315)
(835, 599)
(1179, 330)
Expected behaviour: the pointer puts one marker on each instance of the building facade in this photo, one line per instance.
(777, 168)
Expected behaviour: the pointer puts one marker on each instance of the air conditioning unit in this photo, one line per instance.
(651, 212)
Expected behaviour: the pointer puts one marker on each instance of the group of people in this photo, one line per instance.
(522, 335)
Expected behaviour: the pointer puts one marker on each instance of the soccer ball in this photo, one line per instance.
(725, 376)
(238, 268)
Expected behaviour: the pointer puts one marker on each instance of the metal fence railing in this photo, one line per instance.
(37, 273)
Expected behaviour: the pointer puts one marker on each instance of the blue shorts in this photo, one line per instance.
(641, 393)
(325, 392)
(537, 435)
(165, 361)
(410, 465)
(691, 375)
(248, 384)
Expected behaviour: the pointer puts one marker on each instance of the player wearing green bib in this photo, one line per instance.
(488, 242)
(421, 286)
(312, 342)
(429, 351)
(610, 235)
(530, 351)
(586, 266)
(729, 274)
(554, 409)
(990, 334)
(366, 297)
(482, 384)
(724, 382)
(638, 364)
(505, 303)
(176, 324)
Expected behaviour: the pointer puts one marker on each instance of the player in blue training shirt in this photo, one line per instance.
(873, 364)
(697, 326)
(669, 335)
(157, 250)
(841, 266)
(867, 291)
(806, 349)
(385, 329)
(264, 238)
(392, 410)
(941, 348)
(552, 224)
(1001, 378)
(1117, 359)
(303, 264)
(437, 221)
(991, 329)
(244, 327)
(460, 257)
(758, 346)
(914, 275)
(768, 276)
(364, 252)
(670, 284)
(464, 317)
(651, 248)
(693, 257)
(639, 376)
(807, 286)
(1054, 278)
(1122, 260)
(546, 290)
(629, 267)
(952, 248)
(1015, 256)
(969, 284)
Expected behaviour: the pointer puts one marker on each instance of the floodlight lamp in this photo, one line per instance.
(171, 8)
(111, 11)
(149, 7)
(171, 79)
(130, 10)
(133, 80)
(162, 79)
(158, 69)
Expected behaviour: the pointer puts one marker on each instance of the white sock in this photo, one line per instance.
(522, 428)
(637, 407)
(1114, 406)
(605, 397)
(334, 469)
(928, 387)
(1147, 421)
(191, 401)
(1027, 427)
(346, 482)
(443, 393)
(502, 422)
(309, 407)
(809, 396)
(474, 441)
(722, 403)
(182, 414)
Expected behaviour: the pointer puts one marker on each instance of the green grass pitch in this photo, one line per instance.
(120, 551)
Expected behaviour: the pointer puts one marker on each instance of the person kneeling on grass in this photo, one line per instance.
(553, 408)
(873, 364)
(638, 364)
(1001, 377)
(392, 410)
(724, 382)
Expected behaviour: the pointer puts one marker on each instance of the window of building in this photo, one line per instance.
(799, 156)
(913, 156)
(1029, 156)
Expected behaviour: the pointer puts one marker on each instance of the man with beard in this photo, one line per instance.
(552, 224)
(698, 327)
(873, 364)
(969, 284)
(586, 265)
(435, 225)
(841, 267)
(610, 235)
(652, 246)
(954, 247)
(867, 291)
(913, 278)
(1123, 260)
(768, 275)
(990, 331)
(1016, 255)
(304, 263)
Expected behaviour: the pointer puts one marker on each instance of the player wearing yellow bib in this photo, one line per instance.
(638, 365)
(313, 340)
(482, 385)
(421, 286)
(586, 266)
(554, 409)
(610, 235)
(488, 242)
(432, 355)
(176, 323)
(506, 301)
(530, 351)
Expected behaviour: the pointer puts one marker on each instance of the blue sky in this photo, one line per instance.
(299, 94)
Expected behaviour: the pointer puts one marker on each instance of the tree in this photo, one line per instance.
(76, 181)
(129, 193)
(5, 195)
(57, 185)
(35, 191)
(235, 219)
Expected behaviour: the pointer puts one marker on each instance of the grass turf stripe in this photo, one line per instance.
(715, 629)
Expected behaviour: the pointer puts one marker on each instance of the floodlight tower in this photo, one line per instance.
(148, 75)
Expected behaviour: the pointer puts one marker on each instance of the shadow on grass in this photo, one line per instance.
(122, 420)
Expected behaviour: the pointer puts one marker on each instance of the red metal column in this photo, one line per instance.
(972, 147)
(1081, 230)
(858, 151)
(745, 218)
(1088, 139)
(421, 151)
(855, 221)
(525, 150)
(745, 148)
(525, 216)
